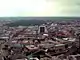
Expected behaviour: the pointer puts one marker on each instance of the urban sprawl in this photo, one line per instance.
(55, 40)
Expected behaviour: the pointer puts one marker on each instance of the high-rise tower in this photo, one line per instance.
(42, 29)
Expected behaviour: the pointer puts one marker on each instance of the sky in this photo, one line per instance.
(34, 8)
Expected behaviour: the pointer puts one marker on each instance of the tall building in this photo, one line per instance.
(42, 29)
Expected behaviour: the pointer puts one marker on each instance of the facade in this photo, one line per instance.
(42, 29)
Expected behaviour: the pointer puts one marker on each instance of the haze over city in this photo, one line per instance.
(39, 29)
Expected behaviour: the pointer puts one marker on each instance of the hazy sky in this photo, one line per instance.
(39, 8)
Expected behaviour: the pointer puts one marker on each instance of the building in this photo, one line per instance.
(42, 29)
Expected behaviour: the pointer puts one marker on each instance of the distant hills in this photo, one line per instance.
(39, 18)
(26, 21)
